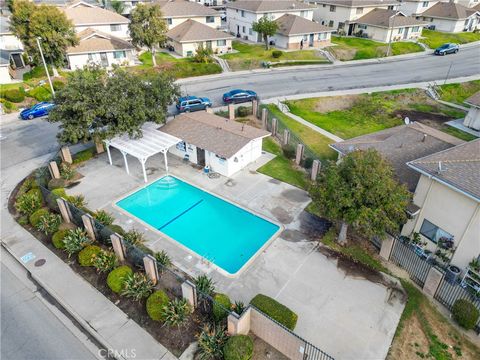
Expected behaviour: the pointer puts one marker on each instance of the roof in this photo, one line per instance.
(263, 6)
(474, 100)
(448, 10)
(92, 40)
(400, 145)
(458, 167)
(185, 8)
(357, 3)
(5, 25)
(289, 24)
(81, 13)
(191, 31)
(387, 19)
(213, 133)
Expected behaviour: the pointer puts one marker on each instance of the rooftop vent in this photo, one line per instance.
(424, 137)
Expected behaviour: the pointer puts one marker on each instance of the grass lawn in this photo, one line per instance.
(458, 93)
(351, 48)
(180, 68)
(355, 115)
(434, 39)
(251, 56)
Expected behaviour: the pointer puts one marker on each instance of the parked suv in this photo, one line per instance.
(193, 103)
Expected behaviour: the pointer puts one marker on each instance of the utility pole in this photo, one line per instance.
(448, 73)
(46, 68)
(391, 35)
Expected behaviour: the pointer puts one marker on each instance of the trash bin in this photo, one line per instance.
(452, 274)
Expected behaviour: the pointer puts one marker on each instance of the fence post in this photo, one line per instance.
(315, 169)
(432, 282)
(66, 155)
(240, 325)
(118, 246)
(264, 118)
(299, 154)
(231, 112)
(89, 225)
(286, 137)
(387, 247)
(64, 210)
(150, 265)
(255, 108)
(274, 126)
(53, 168)
(189, 293)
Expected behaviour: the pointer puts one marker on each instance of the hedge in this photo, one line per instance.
(238, 347)
(40, 93)
(465, 313)
(35, 217)
(14, 95)
(57, 239)
(83, 155)
(87, 254)
(155, 305)
(275, 310)
(222, 302)
(115, 278)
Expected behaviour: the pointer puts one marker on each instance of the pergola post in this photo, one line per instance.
(107, 145)
(126, 162)
(166, 161)
(143, 161)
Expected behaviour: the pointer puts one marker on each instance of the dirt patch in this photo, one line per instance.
(343, 53)
(312, 226)
(333, 103)
(410, 343)
(263, 351)
(427, 118)
(282, 215)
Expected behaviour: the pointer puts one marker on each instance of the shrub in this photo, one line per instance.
(238, 307)
(220, 306)
(40, 93)
(103, 217)
(176, 312)
(7, 105)
(82, 156)
(75, 240)
(238, 347)
(205, 287)
(56, 183)
(117, 229)
(137, 286)
(58, 85)
(28, 184)
(105, 261)
(243, 111)
(465, 313)
(307, 163)
(23, 220)
(115, 278)
(35, 217)
(277, 53)
(49, 223)
(28, 203)
(87, 255)
(57, 239)
(163, 259)
(59, 192)
(77, 200)
(155, 305)
(36, 72)
(134, 237)
(67, 172)
(14, 95)
(275, 310)
(288, 151)
(211, 341)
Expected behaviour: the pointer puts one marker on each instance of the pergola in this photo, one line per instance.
(152, 142)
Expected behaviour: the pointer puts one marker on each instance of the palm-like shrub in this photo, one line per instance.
(163, 259)
(75, 240)
(211, 341)
(67, 172)
(205, 289)
(137, 286)
(238, 307)
(103, 217)
(134, 237)
(105, 261)
(28, 203)
(77, 200)
(176, 312)
(49, 223)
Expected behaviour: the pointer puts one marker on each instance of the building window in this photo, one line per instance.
(169, 21)
(90, 57)
(330, 23)
(250, 31)
(305, 37)
(425, 4)
(324, 5)
(415, 29)
(362, 26)
(242, 13)
(333, 8)
(322, 36)
(119, 55)
(189, 53)
(391, 7)
(210, 19)
(400, 30)
(434, 233)
(115, 27)
(359, 11)
(243, 29)
(221, 42)
(341, 25)
(303, 13)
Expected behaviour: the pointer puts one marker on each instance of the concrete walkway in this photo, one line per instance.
(456, 106)
(458, 124)
(223, 63)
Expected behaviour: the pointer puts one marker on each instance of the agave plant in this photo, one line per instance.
(28, 203)
(176, 312)
(105, 261)
(205, 289)
(163, 259)
(238, 307)
(211, 341)
(134, 237)
(75, 240)
(103, 217)
(49, 223)
(67, 172)
(137, 286)
(77, 200)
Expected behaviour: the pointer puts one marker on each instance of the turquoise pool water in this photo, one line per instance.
(219, 231)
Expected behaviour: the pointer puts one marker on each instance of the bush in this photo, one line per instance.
(116, 278)
(75, 240)
(277, 53)
(238, 347)
(14, 95)
(36, 73)
(117, 229)
(49, 223)
(137, 286)
(220, 306)
(105, 261)
(288, 151)
(28, 203)
(7, 105)
(87, 255)
(56, 183)
(134, 237)
(243, 111)
(84, 155)
(35, 217)
(67, 172)
(59, 192)
(163, 259)
(465, 313)
(155, 305)
(57, 239)
(205, 286)
(275, 310)
(176, 312)
(77, 200)
(238, 307)
(23, 220)
(103, 217)
(40, 93)
(58, 85)
(211, 341)
(307, 163)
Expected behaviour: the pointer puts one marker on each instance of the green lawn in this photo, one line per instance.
(434, 39)
(352, 48)
(251, 56)
(458, 93)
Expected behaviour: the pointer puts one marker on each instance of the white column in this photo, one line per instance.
(142, 161)
(126, 162)
(108, 152)
(166, 161)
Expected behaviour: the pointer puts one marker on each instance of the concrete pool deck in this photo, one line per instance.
(344, 314)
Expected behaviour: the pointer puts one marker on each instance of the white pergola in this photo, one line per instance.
(152, 142)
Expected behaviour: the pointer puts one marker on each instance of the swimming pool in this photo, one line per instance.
(215, 229)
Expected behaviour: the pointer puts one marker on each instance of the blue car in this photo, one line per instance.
(193, 103)
(447, 49)
(238, 96)
(37, 110)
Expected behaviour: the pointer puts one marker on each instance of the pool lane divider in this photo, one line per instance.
(182, 213)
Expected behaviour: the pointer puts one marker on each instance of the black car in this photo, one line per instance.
(238, 96)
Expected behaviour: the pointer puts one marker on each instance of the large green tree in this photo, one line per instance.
(361, 191)
(47, 23)
(266, 28)
(100, 105)
(147, 27)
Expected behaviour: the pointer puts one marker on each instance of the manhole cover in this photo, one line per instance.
(40, 262)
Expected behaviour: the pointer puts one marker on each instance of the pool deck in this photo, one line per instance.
(344, 314)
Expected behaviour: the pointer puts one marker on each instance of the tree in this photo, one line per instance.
(100, 105)
(203, 54)
(360, 191)
(147, 27)
(118, 6)
(47, 23)
(266, 28)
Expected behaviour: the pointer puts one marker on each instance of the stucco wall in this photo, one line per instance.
(10, 42)
(122, 33)
(449, 25)
(5, 75)
(78, 61)
(293, 42)
(383, 34)
(416, 7)
(183, 48)
(472, 119)
(201, 19)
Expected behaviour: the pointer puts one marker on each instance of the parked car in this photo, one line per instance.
(238, 96)
(193, 103)
(447, 49)
(37, 110)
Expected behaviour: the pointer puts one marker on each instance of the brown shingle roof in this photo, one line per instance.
(289, 24)
(212, 132)
(448, 10)
(185, 8)
(474, 100)
(400, 145)
(384, 18)
(262, 6)
(95, 41)
(459, 167)
(81, 14)
(357, 3)
(192, 30)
